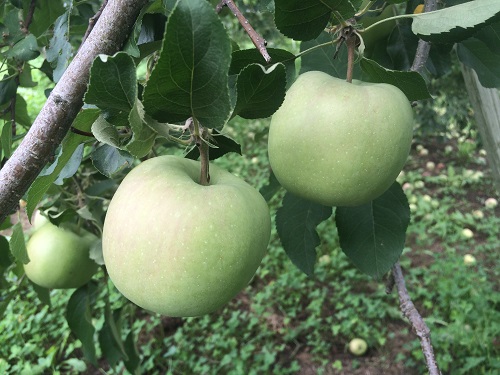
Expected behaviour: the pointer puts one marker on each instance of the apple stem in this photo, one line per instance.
(351, 52)
(200, 133)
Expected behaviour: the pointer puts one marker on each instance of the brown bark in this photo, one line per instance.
(64, 103)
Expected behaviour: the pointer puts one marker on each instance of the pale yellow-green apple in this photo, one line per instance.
(59, 257)
(338, 143)
(179, 248)
(358, 346)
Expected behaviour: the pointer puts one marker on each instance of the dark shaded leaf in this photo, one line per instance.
(109, 160)
(411, 83)
(17, 244)
(78, 315)
(373, 235)
(224, 145)
(190, 77)
(296, 222)
(260, 91)
(268, 191)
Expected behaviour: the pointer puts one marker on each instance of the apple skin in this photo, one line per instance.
(358, 347)
(178, 248)
(338, 143)
(59, 257)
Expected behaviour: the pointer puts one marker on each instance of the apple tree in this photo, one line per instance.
(141, 91)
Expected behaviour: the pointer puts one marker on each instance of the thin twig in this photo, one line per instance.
(259, 42)
(29, 17)
(417, 322)
(423, 48)
(80, 132)
(93, 20)
(406, 305)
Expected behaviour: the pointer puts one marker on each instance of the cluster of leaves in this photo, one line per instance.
(138, 99)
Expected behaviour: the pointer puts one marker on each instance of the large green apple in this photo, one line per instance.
(179, 248)
(338, 143)
(59, 257)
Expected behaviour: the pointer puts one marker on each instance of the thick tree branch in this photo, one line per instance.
(64, 103)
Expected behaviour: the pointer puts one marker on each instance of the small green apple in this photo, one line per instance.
(176, 247)
(358, 346)
(59, 257)
(338, 143)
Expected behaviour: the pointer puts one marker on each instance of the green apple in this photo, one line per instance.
(59, 257)
(338, 143)
(176, 247)
(358, 346)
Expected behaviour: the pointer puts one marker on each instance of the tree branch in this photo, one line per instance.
(423, 48)
(29, 17)
(64, 103)
(259, 42)
(417, 322)
(406, 305)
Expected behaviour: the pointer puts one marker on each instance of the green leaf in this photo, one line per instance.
(106, 132)
(24, 50)
(411, 83)
(59, 51)
(22, 117)
(260, 91)
(5, 260)
(296, 222)
(71, 165)
(143, 137)
(17, 245)
(113, 82)
(83, 122)
(190, 77)
(321, 59)
(456, 23)
(6, 139)
(78, 315)
(46, 12)
(301, 20)
(242, 58)
(8, 88)
(110, 340)
(109, 160)
(224, 145)
(268, 191)
(133, 362)
(373, 235)
(482, 53)
(43, 294)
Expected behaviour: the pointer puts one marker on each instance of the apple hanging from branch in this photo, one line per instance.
(59, 256)
(174, 246)
(338, 143)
